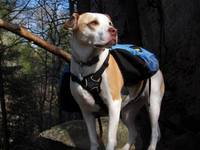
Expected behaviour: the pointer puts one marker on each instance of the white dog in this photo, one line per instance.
(93, 34)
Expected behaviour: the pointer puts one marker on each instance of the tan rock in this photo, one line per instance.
(74, 133)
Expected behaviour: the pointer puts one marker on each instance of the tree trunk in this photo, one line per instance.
(71, 6)
(4, 113)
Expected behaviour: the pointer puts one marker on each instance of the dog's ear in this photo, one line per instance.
(72, 22)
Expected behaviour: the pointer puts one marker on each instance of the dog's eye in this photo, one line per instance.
(110, 23)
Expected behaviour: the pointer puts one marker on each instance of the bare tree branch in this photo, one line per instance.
(21, 31)
(21, 10)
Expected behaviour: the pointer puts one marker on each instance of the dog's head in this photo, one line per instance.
(92, 29)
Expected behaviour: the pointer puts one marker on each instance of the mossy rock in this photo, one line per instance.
(74, 133)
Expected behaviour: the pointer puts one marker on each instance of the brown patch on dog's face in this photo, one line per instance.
(93, 29)
(93, 24)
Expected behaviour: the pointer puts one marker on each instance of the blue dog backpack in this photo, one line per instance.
(135, 63)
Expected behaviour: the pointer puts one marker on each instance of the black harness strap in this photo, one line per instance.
(91, 62)
(141, 91)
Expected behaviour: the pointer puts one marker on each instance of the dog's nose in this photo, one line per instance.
(113, 31)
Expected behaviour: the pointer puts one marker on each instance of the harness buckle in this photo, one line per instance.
(92, 84)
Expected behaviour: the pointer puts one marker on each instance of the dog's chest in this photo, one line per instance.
(87, 101)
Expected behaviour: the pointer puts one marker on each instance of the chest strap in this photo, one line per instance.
(92, 83)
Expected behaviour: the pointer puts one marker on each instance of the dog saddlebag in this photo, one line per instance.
(135, 63)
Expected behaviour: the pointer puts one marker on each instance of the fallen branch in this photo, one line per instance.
(21, 31)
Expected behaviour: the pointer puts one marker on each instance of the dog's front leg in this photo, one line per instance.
(114, 115)
(91, 127)
(86, 103)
